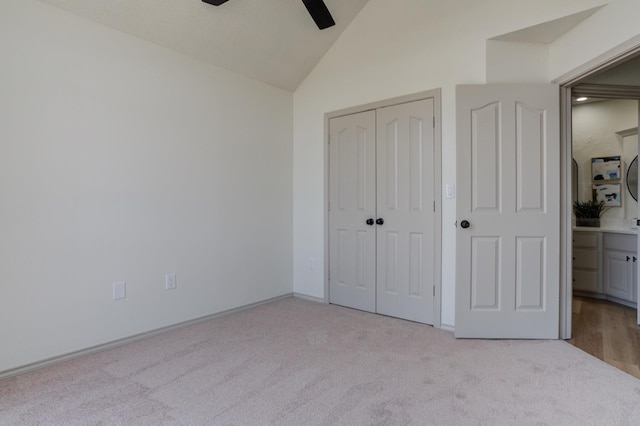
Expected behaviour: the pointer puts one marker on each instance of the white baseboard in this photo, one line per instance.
(310, 298)
(448, 327)
(445, 327)
(115, 343)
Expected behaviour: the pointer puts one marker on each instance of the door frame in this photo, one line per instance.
(436, 95)
(609, 59)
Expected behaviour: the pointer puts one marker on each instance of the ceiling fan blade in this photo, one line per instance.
(215, 2)
(320, 14)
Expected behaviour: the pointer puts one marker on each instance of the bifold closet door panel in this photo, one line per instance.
(352, 202)
(405, 202)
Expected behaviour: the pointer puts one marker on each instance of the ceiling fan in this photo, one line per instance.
(317, 9)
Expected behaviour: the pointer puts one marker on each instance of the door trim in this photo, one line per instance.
(610, 59)
(436, 95)
(603, 62)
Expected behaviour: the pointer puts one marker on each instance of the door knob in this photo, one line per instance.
(465, 224)
(380, 221)
(369, 222)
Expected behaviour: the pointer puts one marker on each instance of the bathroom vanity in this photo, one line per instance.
(605, 264)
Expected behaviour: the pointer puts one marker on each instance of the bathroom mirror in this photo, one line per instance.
(632, 178)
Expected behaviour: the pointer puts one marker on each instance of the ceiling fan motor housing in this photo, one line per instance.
(215, 2)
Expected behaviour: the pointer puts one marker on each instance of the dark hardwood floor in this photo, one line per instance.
(607, 331)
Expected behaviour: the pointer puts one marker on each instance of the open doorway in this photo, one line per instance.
(604, 258)
(603, 142)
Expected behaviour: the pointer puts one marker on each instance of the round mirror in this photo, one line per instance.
(632, 178)
(574, 181)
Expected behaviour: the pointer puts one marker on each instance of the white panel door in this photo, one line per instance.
(405, 158)
(352, 201)
(508, 170)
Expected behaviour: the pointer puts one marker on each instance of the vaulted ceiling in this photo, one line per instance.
(275, 41)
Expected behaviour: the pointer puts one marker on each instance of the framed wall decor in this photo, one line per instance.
(609, 193)
(605, 169)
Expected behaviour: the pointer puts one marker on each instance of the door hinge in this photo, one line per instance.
(434, 291)
(434, 205)
(434, 122)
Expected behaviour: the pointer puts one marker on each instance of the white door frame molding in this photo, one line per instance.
(610, 59)
(436, 95)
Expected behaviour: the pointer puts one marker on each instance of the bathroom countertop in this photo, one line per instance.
(612, 229)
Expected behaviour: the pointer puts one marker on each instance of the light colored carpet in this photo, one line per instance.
(295, 362)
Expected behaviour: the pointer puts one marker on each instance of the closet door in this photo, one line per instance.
(406, 211)
(352, 209)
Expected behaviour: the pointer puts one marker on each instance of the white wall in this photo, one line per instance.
(123, 161)
(516, 62)
(594, 135)
(611, 26)
(396, 48)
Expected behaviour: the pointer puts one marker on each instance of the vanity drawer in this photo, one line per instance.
(620, 242)
(585, 239)
(586, 281)
(585, 258)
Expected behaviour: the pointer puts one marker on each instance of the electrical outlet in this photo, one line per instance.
(119, 290)
(170, 282)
